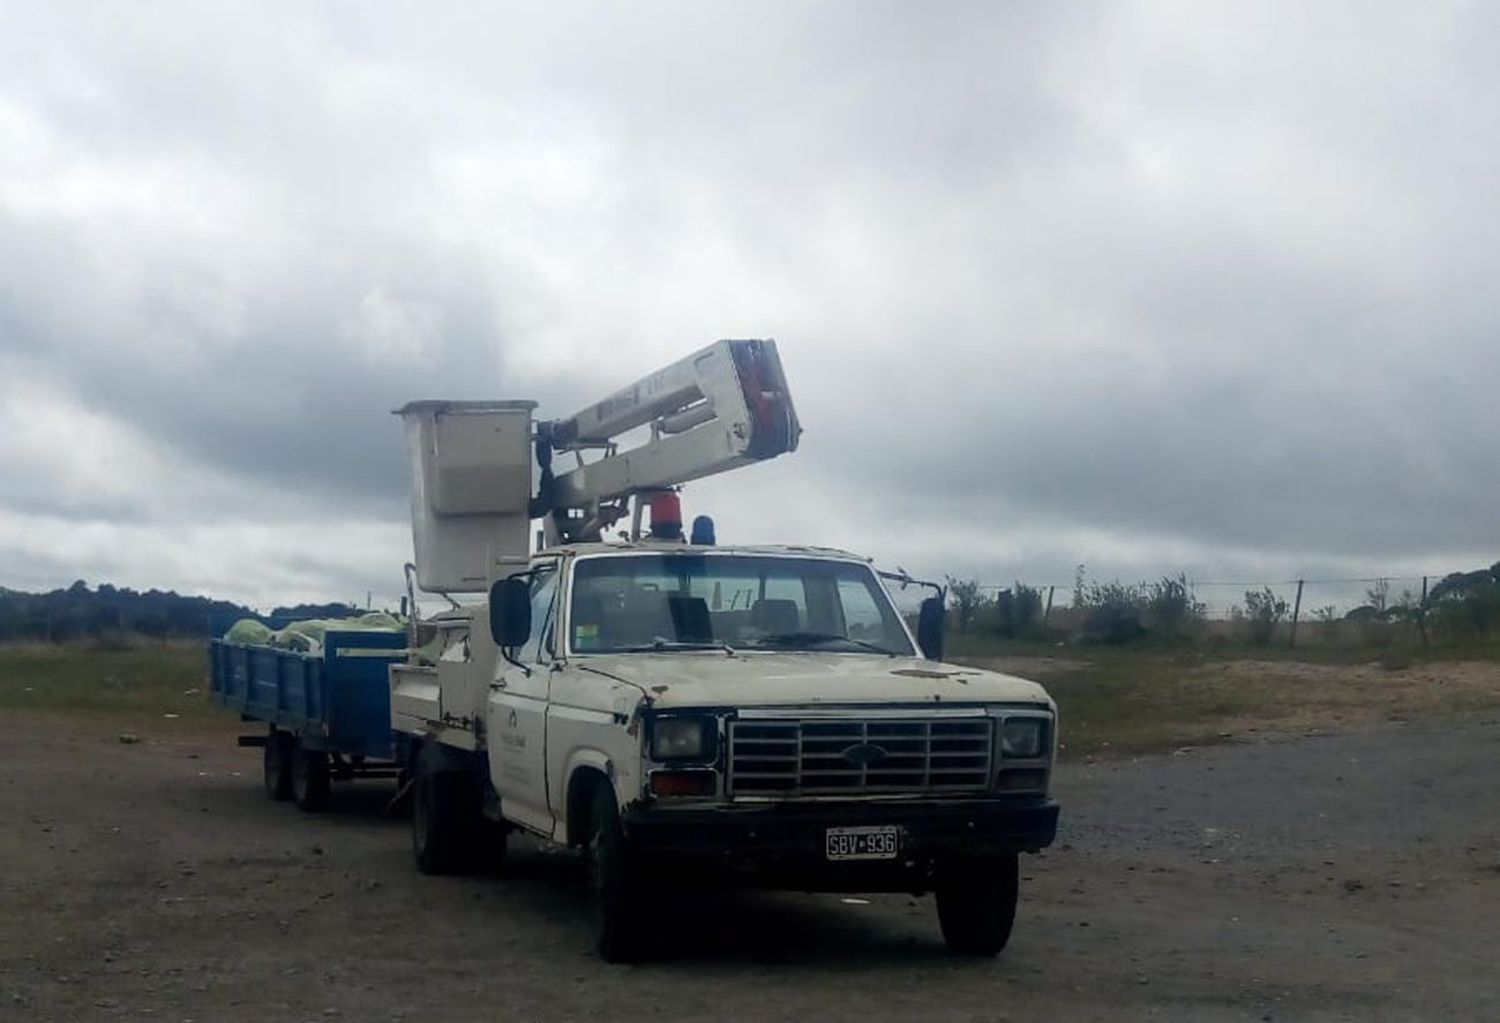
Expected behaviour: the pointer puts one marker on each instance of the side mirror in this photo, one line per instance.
(510, 612)
(931, 619)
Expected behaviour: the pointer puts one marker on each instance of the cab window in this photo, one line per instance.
(543, 589)
(691, 600)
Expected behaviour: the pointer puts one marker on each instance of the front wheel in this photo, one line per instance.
(976, 903)
(614, 883)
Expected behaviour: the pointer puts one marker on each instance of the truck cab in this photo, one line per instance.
(756, 716)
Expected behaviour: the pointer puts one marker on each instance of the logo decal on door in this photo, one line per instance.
(510, 736)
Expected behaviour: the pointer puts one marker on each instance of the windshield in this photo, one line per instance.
(646, 602)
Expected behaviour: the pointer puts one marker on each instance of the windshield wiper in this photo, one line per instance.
(795, 640)
(660, 644)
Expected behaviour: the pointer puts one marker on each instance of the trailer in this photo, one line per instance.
(328, 714)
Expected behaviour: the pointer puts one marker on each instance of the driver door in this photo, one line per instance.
(516, 713)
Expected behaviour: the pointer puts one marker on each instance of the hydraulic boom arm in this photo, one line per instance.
(722, 407)
(471, 462)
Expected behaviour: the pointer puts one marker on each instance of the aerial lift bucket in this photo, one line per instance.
(471, 465)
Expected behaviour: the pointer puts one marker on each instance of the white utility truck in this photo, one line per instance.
(684, 712)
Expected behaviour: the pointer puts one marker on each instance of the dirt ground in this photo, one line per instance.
(1350, 877)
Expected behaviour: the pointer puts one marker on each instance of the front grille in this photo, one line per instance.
(822, 757)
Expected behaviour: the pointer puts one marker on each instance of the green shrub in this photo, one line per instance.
(1112, 613)
(1171, 609)
(1465, 605)
(1472, 612)
(1263, 612)
(967, 601)
(1018, 611)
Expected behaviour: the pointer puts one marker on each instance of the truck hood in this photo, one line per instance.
(711, 678)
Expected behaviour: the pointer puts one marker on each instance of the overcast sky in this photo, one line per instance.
(1150, 287)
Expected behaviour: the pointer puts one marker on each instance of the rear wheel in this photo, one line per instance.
(310, 779)
(976, 903)
(438, 818)
(277, 766)
(614, 882)
(490, 841)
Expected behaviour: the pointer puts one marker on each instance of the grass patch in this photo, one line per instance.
(1113, 700)
(1116, 700)
(973, 645)
(132, 681)
(1126, 701)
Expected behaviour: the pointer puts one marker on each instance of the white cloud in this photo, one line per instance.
(1201, 287)
(258, 563)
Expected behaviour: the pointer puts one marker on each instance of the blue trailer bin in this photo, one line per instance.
(328, 715)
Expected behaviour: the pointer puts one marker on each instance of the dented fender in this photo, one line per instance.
(593, 723)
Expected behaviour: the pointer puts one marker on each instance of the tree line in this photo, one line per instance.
(79, 612)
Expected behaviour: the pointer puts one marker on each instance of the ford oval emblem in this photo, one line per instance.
(865, 754)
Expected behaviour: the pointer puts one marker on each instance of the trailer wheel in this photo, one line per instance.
(438, 821)
(614, 881)
(277, 764)
(976, 904)
(310, 779)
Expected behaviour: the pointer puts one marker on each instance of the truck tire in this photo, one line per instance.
(439, 821)
(614, 883)
(489, 844)
(310, 779)
(277, 766)
(976, 904)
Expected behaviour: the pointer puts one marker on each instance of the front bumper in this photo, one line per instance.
(783, 845)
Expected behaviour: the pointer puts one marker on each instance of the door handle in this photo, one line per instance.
(498, 685)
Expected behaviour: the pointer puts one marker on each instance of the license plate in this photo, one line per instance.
(871, 842)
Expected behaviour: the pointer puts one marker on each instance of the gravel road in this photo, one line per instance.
(1354, 877)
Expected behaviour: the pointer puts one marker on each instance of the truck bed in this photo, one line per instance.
(338, 701)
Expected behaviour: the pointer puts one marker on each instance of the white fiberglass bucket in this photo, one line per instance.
(470, 487)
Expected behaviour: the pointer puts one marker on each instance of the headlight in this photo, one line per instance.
(682, 739)
(1022, 737)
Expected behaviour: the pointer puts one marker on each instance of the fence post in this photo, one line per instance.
(1296, 613)
(1048, 612)
(1422, 613)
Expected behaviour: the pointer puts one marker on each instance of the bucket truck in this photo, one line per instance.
(684, 712)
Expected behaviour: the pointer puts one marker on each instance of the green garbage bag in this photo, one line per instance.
(312, 629)
(308, 636)
(248, 630)
(299, 636)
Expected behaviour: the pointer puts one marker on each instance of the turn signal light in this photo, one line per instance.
(1023, 781)
(677, 784)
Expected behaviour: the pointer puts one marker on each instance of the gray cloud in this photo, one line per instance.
(1204, 288)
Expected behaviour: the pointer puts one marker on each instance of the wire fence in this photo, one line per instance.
(1223, 599)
